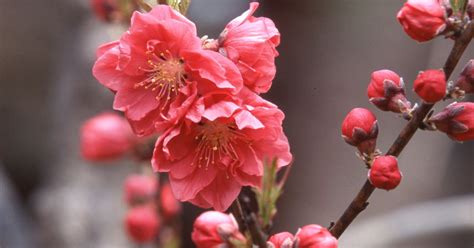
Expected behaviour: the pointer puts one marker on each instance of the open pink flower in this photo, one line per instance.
(158, 67)
(250, 43)
(220, 147)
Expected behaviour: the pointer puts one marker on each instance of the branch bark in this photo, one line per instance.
(247, 219)
(359, 203)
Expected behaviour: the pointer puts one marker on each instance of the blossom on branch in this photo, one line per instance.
(220, 147)
(158, 67)
(250, 42)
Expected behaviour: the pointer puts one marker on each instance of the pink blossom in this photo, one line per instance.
(250, 43)
(157, 68)
(220, 147)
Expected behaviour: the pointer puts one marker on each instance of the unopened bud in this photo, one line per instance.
(312, 236)
(142, 224)
(281, 240)
(386, 91)
(140, 188)
(215, 229)
(384, 173)
(360, 129)
(465, 82)
(422, 20)
(430, 85)
(456, 120)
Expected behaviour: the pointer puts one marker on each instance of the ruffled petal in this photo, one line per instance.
(187, 188)
(221, 192)
(213, 69)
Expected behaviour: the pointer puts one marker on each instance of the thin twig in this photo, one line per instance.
(236, 209)
(359, 203)
(248, 219)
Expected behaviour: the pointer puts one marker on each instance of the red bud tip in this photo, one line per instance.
(384, 173)
(386, 91)
(359, 129)
(312, 236)
(456, 120)
(422, 20)
(430, 85)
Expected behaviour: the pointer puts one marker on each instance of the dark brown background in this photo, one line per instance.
(50, 198)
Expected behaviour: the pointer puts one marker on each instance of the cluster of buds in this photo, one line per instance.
(143, 219)
(216, 229)
(309, 236)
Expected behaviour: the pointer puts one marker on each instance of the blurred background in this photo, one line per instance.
(49, 197)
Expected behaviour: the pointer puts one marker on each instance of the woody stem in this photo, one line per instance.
(247, 219)
(360, 202)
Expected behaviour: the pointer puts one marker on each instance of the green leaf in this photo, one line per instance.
(179, 5)
(459, 6)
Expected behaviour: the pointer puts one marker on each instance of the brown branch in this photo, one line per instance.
(359, 203)
(247, 219)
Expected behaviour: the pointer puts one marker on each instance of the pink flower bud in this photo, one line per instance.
(142, 224)
(422, 20)
(384, 173)
(139, 188)
(215, 229)
(386, 91)
(465, 81)
(315, 236)
(105, 137)
(170, 207)
(281, 240)
(456, 120)
(359, 129)
(104, 9)
(430, 85)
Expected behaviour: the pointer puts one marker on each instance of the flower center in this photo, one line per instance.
(217, 141)
(165, 75)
